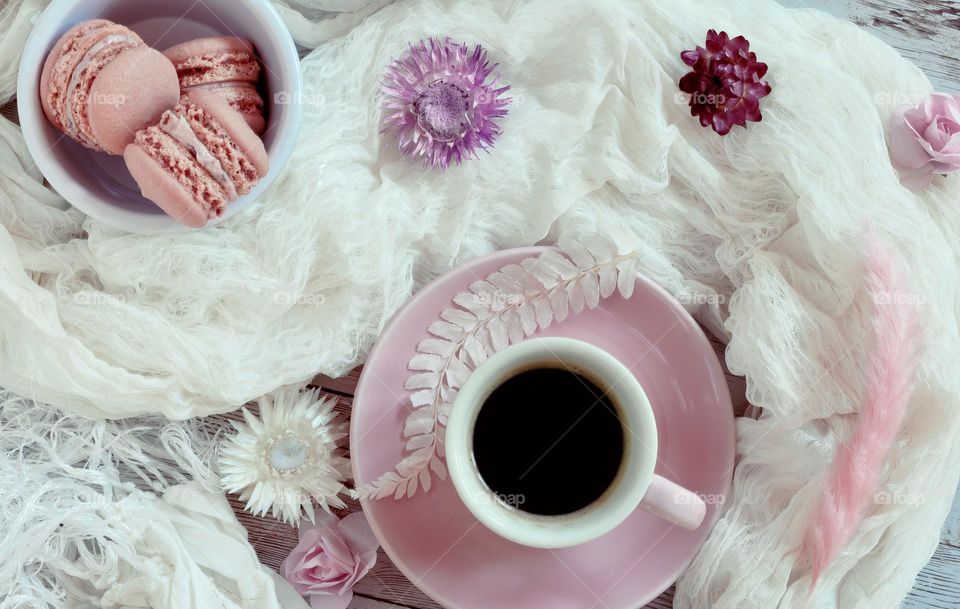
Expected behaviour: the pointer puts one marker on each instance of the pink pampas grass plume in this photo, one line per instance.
(854, 477)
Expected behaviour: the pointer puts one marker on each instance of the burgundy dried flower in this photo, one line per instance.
(438, 103)
(726, 83)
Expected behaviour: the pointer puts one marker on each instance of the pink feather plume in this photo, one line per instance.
(853, 479)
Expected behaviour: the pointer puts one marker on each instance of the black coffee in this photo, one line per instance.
(548, 441)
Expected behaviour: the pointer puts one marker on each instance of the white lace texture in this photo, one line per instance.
(763, 225)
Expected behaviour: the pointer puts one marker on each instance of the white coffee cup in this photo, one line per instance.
(636, 484)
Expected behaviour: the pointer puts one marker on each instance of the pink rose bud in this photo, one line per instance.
(925, 140)
(331, 557)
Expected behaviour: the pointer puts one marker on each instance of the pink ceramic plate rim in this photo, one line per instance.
(441, 291)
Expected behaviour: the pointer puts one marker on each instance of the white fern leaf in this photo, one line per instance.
(575, 294)
(530, 283)
(427, 362)
(443, 412)
(436, 346)
(560, 303)
(422, 441)
(511, 322)
(483, 335)
(413, 462)
(423, 397)
(509, 287)
(421, 421)
(528, 318)
(469, 301)
(475, 351)
(437, 466)
(425, 479)
(579, 254)
(445, 329)
(628, 277)
(559, 263)
(464, 320)
(447, 394)
(601, 247)
(590, 286)
(487, 293)
(608, 281)
(498, 334)
(541, 271)
(422, 380)
(544, 314)
(457, 374)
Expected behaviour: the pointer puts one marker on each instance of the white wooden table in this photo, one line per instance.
(926, 31)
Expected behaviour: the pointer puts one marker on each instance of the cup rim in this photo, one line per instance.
(604, 514)
(49, 26)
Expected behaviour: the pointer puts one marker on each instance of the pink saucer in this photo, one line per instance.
(442, 548)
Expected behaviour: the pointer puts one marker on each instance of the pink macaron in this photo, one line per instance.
(198, 158)
(101, 84)
(226, 65)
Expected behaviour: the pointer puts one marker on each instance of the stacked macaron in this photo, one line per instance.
(186, 123)
(101, 84)
(227, 65)
(198, 158)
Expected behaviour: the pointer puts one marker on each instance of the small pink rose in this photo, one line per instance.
(331, 557)
(925, 140)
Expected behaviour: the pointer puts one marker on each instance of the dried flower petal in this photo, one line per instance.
(726, 83)
(439, 104)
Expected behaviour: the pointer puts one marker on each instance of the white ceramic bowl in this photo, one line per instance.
(99, 184)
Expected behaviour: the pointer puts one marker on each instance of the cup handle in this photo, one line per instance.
(673, 503)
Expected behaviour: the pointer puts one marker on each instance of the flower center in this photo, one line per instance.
(287, 454)
(947, 127)
(441, 110)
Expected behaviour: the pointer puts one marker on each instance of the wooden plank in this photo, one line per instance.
(951, 528)
(924, 31)
(938, 585)
(9, 111)
(366, 602)
(344, 385)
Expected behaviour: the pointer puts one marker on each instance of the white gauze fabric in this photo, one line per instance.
(115, 514)
(764, 225)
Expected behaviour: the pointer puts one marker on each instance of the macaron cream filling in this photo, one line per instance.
(76, 78)
(179, 129)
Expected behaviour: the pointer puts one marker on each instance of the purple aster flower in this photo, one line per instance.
(438, 103)
(726, 83)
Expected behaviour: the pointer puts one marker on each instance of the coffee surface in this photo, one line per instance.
(548, 441)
